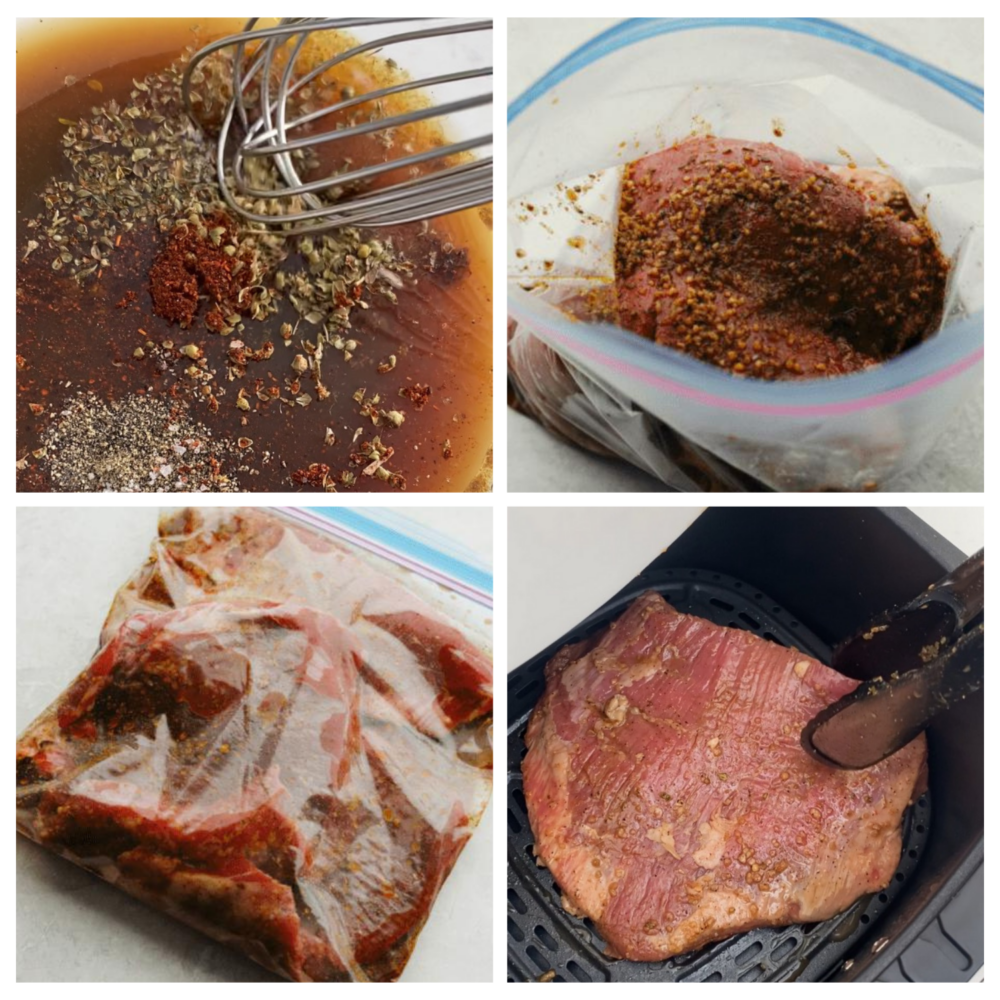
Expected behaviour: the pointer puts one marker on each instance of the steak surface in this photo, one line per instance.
(752, 258)
(671, 799)
(412, 653)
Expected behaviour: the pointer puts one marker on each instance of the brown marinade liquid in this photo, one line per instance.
(72, 338)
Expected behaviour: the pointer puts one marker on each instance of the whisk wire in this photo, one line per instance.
(376, 95)
(272, 132)
(366, 173)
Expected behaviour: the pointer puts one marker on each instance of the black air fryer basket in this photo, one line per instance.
(802, 577)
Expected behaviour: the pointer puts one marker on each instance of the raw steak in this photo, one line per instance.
(268, 772)
(670, 797)
(754, 259)
(419, 658)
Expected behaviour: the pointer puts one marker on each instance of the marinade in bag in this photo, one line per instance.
(277, 743)
(802, 360)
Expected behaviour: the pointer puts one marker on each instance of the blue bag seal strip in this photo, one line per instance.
(407, 543)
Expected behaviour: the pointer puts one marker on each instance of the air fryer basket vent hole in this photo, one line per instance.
(784, 949)
(865, 919)
(512, 821)
(546, 938)
(514, 931)
(518, 796)
(579, 974)
(749, 954)
(722, 604)
(538, 958)
(515, 900)
(883, 898)
(752, 622)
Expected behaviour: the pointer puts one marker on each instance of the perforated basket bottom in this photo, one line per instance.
(545, 943)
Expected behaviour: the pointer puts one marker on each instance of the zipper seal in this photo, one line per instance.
(407, 543)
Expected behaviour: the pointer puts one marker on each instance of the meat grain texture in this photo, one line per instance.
(669, 794)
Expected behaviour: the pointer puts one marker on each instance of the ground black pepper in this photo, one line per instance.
(138, 444)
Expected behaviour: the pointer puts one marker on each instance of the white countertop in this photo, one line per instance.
(541, 462)
(71, 926)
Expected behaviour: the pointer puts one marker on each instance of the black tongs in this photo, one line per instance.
(913, 662)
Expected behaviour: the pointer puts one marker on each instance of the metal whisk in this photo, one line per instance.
(267, 130)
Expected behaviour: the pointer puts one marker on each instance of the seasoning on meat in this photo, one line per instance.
(415, 656)
(277, 744)
(699, 815)
(747, 256)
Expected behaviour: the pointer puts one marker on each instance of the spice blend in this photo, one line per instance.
(139, 290)
(748, 257)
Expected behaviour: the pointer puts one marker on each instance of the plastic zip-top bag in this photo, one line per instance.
(284, 739)
(813, 88)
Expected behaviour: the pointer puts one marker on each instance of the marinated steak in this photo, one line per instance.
(670, 797)
(747, 256)
(412, 653)
(292, 782)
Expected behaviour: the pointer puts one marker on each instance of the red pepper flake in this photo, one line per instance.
(315, 475)
(263, 354)
(417, 394)
(214, 319)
